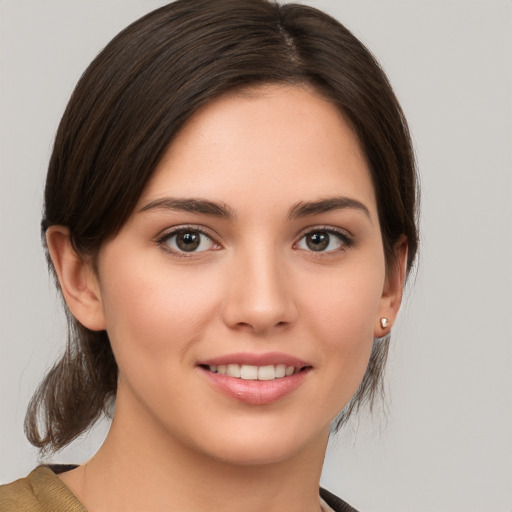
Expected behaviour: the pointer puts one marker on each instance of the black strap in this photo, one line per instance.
(337, 504)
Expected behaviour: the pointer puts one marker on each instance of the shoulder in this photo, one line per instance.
(18, 495)
(40, 491)
(337, 504)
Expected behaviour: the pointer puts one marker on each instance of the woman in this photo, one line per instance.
(230, 217)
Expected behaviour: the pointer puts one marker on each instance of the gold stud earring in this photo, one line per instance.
(384, 322)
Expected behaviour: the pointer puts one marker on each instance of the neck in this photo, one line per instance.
(156, 472)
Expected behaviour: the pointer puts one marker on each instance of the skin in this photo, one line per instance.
(254, 286)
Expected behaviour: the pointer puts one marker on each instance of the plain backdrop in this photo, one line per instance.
(445, 442)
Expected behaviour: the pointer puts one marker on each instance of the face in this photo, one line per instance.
(242, 296)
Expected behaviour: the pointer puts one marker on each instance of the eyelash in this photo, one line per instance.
(164, 239)
(346, 240)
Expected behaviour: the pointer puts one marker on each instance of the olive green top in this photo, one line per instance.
(41, 491)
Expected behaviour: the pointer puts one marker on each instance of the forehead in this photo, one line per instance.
(276, 143)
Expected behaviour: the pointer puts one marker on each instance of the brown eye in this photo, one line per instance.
(324, 240)
(318, 241)
(187, 241)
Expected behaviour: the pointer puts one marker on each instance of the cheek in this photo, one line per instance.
(341, 311)
(347, 303)
(152, 312)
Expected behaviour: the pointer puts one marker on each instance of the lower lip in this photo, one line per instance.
(256, 392)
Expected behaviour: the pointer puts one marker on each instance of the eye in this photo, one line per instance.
(187, 240)
(324, 240)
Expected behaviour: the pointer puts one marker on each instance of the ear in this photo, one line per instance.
(78, 281)
(393, 289)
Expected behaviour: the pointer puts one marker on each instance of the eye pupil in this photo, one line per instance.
(317, 241)
(188, 241)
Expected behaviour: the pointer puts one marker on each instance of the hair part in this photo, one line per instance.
(132, 101)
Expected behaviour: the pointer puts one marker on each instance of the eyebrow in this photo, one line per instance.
(307, 208)
(222, 210)
(201, 206)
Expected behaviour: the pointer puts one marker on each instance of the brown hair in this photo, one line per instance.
(131, 102)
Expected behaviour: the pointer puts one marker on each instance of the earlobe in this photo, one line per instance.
(393, 289)
(77, 279)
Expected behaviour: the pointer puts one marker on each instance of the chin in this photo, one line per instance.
(271, 445)
(257, 454)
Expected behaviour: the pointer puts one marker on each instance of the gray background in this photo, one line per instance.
(445, 443)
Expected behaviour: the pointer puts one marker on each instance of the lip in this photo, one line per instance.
(253, 359)
(255, 392)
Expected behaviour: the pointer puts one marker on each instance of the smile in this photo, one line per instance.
(255, 379)
(251, 372)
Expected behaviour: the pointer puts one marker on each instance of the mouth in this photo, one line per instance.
(255, 379)
(252, 372)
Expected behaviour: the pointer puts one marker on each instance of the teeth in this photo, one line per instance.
(249, 372)
(233, 370)
(266, 373)
(280, 371)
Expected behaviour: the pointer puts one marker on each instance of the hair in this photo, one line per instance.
(129, 105)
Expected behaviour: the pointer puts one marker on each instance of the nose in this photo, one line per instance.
(259, 296)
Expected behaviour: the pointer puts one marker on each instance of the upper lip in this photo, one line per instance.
(252, 359)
